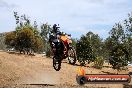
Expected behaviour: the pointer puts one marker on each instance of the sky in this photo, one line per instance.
(76, 17)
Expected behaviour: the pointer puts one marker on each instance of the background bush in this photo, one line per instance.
(99, 62)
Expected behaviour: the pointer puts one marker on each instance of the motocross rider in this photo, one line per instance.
(56, 35)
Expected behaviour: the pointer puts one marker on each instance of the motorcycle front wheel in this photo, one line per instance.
(56, 63)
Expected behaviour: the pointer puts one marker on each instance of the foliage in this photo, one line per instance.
(128, 26)
(98, 63)
(26, 37)
(49, 52)
(38, 44)
(117, 46)
(2, 42)
(10, 39)
(119, 57)
(45, 31)
(74, 42)
(88, 48)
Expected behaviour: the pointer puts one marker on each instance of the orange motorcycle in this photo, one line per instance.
(62, 48)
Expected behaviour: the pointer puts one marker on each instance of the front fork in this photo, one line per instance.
(56, 49)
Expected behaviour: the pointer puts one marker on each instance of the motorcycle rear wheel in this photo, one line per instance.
(71, 56)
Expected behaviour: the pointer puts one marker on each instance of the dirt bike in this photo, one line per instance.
(62, 50)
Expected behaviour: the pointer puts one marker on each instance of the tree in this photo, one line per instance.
(98, 63)
(88, 48)
(2, 41)
(118, 51)
(38, 44)
(26, 37)
(74, 42)
(128, 27)
(10, 39)
(45, 31)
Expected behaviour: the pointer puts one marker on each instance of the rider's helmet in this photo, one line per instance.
(56, 28)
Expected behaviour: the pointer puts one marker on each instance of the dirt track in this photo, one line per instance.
(17, 70)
